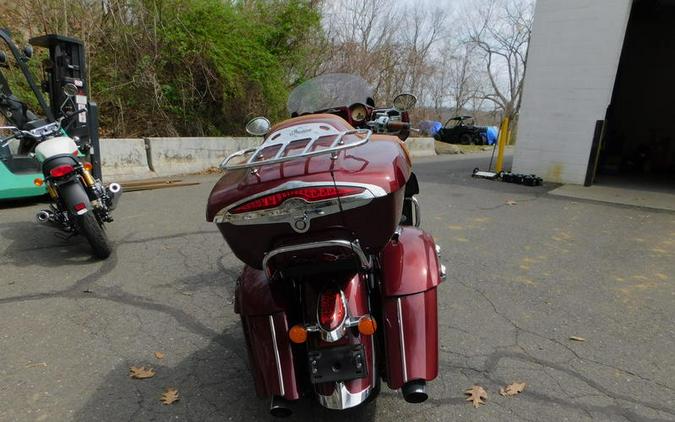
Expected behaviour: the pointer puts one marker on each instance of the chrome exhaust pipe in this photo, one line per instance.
(114, 192)
(279, 408)
(415, 391)
(44, 217)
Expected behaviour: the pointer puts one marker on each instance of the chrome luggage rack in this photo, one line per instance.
(282, 139)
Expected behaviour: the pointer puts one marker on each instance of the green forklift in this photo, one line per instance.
(65, 64)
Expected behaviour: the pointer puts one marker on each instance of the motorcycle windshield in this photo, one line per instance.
(329, 91)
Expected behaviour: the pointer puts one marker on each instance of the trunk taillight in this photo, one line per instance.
(61, 171)
(331, 309)
(311, 194)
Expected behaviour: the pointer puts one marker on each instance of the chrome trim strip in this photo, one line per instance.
(402, 339)
(342, 398)
(418, 214)
(276, 356)
(294, 209)
(293, 134)
(373, 370)
(363, 258)
(349, 323)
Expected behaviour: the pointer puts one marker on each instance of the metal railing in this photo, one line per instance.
(365, 262)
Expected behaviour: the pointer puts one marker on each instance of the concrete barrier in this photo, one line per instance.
(124, 159)
(132, 159)
(173, 156)
(421, 147)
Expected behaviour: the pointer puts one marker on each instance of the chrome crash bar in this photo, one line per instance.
(289, 136)
(366, 263)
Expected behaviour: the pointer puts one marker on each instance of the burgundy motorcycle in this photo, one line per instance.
(339, 288)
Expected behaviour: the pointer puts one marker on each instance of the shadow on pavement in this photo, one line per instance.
(30, 243)
(214, 384)
(23, 202)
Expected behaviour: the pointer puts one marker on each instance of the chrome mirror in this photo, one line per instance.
(258, 126)
(405, 102)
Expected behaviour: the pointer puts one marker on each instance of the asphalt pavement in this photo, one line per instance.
(526, 272)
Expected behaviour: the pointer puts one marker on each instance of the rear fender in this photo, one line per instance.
(344, 395)
(72, 192)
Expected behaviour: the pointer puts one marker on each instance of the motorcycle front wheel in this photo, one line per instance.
(88, 226)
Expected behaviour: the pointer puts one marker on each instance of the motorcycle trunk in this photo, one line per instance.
(347, 250)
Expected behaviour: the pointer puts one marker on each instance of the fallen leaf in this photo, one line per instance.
(169, 396)
(576, 338)
(141, 373)
(512, 389)
(511, 202)
(159, 355)
(477, 395)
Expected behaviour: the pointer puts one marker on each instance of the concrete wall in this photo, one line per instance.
(572, 64)
(171, 156)
(421, 147)
(133, 159)
(124, 159)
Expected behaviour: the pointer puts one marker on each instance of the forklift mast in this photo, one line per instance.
(66, 65)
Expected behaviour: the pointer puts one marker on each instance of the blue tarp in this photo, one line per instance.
(430, 127)
(492, 135)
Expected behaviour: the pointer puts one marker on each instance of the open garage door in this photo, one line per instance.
(637, 149)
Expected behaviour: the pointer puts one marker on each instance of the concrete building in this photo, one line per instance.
(599, 96)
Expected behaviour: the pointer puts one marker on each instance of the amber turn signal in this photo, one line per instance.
(38, 182)
(367, 325)
(298, 334)
(88, 166)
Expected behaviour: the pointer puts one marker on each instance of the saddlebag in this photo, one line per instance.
(411, 274)
(269, 348)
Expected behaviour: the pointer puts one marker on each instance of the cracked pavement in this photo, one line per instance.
(522, 279)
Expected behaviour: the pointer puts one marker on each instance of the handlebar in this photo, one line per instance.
(396, 126)
(385, 124)
(39, 133)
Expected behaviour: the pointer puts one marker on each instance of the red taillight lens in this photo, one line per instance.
(331, 309)
(61, 171)
(312, 194)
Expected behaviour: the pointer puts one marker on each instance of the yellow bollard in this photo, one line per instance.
(503, 139)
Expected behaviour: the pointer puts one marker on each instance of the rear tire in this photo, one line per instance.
(88, 227)
(465, 139)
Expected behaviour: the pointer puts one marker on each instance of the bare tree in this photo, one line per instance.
(423, 29)
(373, 39)
(502, 35)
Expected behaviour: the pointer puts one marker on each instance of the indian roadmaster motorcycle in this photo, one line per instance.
(81, 204)
(339, 288)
